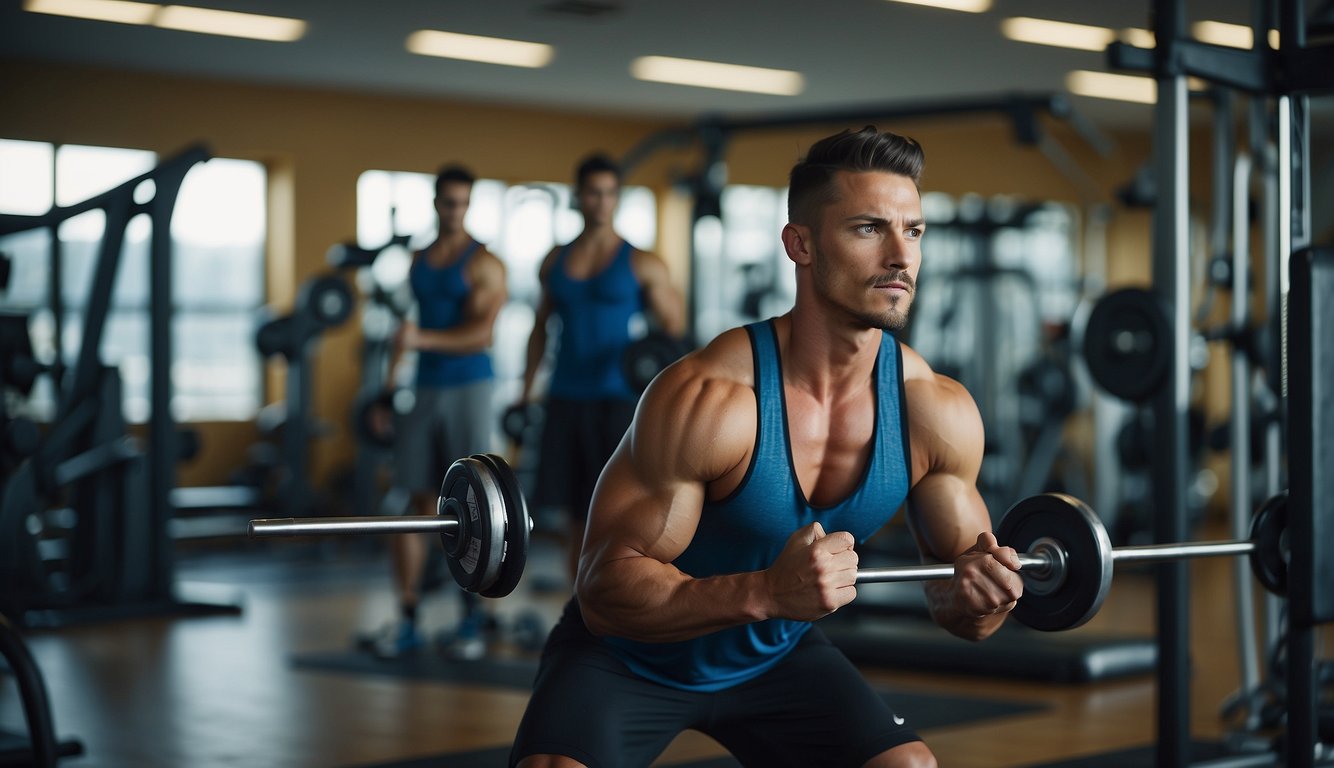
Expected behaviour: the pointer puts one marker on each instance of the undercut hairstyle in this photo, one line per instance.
(595, 163)
(451, 174)
(811, 183)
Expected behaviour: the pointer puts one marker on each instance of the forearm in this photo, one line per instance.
(642, 599)
(946, 612)
(537, 347)
(395, 359)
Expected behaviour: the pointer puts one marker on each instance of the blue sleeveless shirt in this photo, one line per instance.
(747, 530)
(441, 295)
(595, 328)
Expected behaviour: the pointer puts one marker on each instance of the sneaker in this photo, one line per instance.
(395, 639)
(468, 641)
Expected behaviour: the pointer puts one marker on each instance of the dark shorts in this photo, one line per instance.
(578, 437)
(813, 709)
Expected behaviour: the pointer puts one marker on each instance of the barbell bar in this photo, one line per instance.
(1041, 561)
(1066, 557)
(482, 520)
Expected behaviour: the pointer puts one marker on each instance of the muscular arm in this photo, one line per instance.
(488, 293)
(663, 300)
(690, 429)
(948, 516)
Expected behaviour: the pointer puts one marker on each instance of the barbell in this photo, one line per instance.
(1066, 557)
(1065, 554)
(482, 520)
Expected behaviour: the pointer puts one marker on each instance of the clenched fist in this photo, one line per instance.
(814, 575)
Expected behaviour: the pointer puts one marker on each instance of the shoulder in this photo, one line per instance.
(549, 260)
(484, 267)
(703, 407)
(647, 266)
(944, 422)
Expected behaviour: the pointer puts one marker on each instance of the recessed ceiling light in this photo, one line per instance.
(1058, 33)
(488, 50)
(713, 74)
(967, 6)
(209, 21)
(119, 11)
(1105, 85)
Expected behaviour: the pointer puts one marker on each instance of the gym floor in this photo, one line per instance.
(222, 690)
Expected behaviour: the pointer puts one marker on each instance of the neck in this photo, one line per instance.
(823, 356)
(598, 233)
(452, 240)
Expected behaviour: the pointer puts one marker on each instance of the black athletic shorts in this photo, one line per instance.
(813, 709)
(578, 437)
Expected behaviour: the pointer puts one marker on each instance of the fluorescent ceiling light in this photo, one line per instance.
(489, 50)
(1230, 35)
(1140, 38)
(179, 17)
(967, 6)
(1059, 33)
(712, 74)
(1104, 85)
(230, 23)
(119, 11)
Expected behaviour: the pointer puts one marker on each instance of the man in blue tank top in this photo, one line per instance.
(459, 289)
(725, 522)
(603, 291)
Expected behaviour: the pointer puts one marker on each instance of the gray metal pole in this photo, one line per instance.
(1171, 279)
(1241, 424)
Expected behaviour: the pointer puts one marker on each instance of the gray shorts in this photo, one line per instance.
(445, 425)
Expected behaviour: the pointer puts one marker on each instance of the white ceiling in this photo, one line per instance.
(851, 52)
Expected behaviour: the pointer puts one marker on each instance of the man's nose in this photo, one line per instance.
(897, 253)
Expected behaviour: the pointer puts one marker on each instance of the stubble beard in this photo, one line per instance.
(893, 319)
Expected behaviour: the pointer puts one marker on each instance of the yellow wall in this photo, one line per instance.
(316, 143)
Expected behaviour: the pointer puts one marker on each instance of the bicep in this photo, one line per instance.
(488, 292)
(641, 510)
(946, 510)
(650, 496)
(659, 294)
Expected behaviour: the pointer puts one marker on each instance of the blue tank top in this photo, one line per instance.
(595, 319)
(441, 294)
(747, 530)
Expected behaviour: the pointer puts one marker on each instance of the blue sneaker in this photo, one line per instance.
(468, 641)
(395, 639)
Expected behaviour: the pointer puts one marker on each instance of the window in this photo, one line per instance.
(519, 223)
(218, 230)
(743, 273)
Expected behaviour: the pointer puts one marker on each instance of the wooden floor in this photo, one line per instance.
(216, 691)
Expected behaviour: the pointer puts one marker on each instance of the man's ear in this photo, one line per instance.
(797, 240)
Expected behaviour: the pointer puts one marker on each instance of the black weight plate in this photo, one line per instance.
(1126, 343)
(514, 553)
(1269, 559)
(645, 358)
(325, 299)
(473, 551)
(1088, 559)
(515, 420)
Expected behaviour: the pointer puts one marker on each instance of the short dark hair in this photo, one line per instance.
(810, 185)
(452, 173)
(595, 163)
